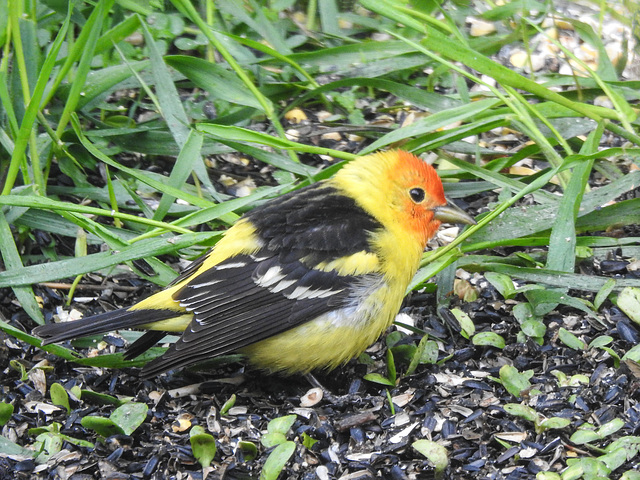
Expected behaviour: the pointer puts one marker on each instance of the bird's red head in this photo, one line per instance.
(401, 190)
(418, 191)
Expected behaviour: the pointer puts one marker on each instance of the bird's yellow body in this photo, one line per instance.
(306, 281)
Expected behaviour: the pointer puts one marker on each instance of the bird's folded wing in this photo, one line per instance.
(311, 241)
(247, 299)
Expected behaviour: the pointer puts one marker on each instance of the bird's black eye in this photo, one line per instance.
(417, 194)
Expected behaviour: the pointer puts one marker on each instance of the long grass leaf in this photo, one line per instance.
(562, 242)
(172, 109)
(84, 65)
(12, 261)
(182, 168)
(219, 82)
(431, 123)
(162, 187)
(49, 204)
(48, 272)
(552, 278)
(238, 134)
(437, 41)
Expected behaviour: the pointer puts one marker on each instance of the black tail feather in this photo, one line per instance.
(104, 322)
(144, 343)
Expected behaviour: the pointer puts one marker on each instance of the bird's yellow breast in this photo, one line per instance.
(332, 339)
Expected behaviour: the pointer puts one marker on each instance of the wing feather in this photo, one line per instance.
(248, 298)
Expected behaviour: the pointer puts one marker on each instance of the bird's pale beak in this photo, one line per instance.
(452, 214)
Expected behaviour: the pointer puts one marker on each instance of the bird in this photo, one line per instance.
(306, 281)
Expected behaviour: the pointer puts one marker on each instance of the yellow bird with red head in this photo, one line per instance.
(305, 281)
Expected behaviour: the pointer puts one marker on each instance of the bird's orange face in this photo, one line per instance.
(400, 190)
(418, 190)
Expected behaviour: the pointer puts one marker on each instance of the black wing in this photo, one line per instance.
(248, 298)
(315, 220)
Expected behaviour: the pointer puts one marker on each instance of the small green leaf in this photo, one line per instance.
(502, 283)
(203, 445)
(391, 366)
(430, 353)
(561, 376)
(522, 411)
(281, 424)
(603, 293)
(18, 366)
(572, 381)
(570, 340)
(514, 381)
(130, 416)
(308, 441)
(48, 444)
(7, 447)
(466, 324)
(534, 328)
(490, 339)
(633, 354)
(277, 460)
(249, 450)
(631, 443)
(600, 341)
(277, 431)
(544, 301)
(76, 391)
(272, 439)
(586, 433)
(614, 458)
(377, 378)
(6, 410)
(365, 359)
(54, 429)
(100, 398)
(393, 338)
(436, 453)
(629, 302)
(228, 404)
(552, 423)
(59, 396)
(417, 355)
(101, 425)
(610, 427)
(585, 467)
(523, 312)
(630, 475)
(620, 451)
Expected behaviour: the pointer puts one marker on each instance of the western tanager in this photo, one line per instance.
(307, 280)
